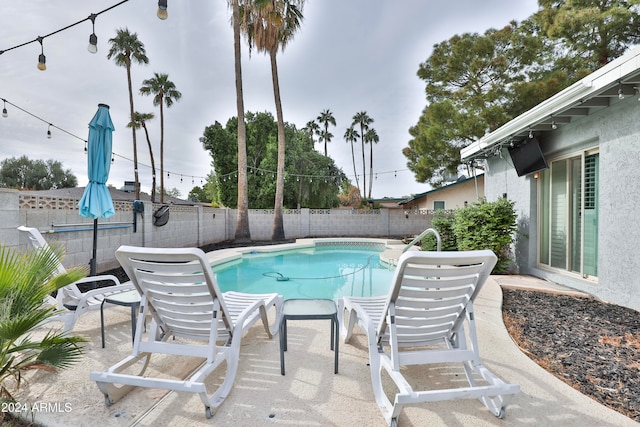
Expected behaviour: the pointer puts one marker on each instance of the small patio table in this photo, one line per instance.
(127, 299)
(309, 309)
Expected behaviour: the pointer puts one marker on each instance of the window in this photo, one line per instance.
(568, 222)
(438, 205)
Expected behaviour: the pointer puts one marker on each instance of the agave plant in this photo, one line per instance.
(26, 281)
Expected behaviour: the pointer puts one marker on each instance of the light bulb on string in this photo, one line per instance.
(49, 131)
(162, 10)
(93, 39)
(42, 60)
(4, 109)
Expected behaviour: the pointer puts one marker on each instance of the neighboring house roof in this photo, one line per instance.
(117, 195)
(598, 90)
(460, 180)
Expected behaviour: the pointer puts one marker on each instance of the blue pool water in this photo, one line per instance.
(322, 272)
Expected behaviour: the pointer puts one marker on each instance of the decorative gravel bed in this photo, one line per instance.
(590, 345)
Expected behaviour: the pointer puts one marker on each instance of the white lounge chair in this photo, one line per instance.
(422, 321)
(70, 301)
(180, 293)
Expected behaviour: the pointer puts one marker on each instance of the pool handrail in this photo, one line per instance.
(421, 235)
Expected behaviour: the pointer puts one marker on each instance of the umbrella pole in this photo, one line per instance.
(92, 263)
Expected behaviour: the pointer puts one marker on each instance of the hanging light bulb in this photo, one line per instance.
(162, 9)
(530, 134)
(4, 109)
(42, 60)
(93, 39)
(49, 131)
(553, 125)
(620, 92)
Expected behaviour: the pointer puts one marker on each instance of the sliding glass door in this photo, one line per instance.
(569, 214)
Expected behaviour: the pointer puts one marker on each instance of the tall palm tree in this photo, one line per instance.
(125, 49)
(140, 121)
(243, 233)
(25, 281)
(312, 128)
(165, 90)
(370, 138)
(363, 119)
(351, 135)
(326, 118)
(270, 25)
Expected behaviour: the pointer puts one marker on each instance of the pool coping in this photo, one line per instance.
(390, 255)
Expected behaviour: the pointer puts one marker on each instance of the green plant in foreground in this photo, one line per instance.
(443, 222)
(26, 280)
(487, 225)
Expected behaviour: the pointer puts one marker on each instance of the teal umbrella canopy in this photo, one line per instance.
(96, 201)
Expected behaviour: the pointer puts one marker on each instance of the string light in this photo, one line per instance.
(42, 60)
(49, 135)
(93, 39)
(162, 9)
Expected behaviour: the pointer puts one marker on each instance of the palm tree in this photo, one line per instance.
(140, 121)
(243, 233)
(370, 138)
(125, 48)
(270, 25)
(162, 89)
(363, 119)
(312, 128)
(326, 117)
(26, 280)
(351, 135)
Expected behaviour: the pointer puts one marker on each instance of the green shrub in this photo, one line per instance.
(487, 225)
(443, 223)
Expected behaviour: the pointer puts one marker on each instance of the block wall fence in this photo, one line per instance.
(189, 225)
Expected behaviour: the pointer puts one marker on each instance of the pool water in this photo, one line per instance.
(322, 272)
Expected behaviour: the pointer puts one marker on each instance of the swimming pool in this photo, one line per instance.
(323, 270)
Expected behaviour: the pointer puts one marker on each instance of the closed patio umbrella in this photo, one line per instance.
(96, 201)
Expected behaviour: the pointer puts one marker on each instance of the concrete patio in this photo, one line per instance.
(309, 394)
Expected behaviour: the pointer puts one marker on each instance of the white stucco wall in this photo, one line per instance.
(616, 131)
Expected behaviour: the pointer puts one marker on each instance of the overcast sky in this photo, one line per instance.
(349, 56)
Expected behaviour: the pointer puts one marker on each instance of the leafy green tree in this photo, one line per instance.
(472, 81)
(221, 143)
(140, 121)
(125, 49)
(22, 173)
(162, 89)
(25, 282)
(271, 26)
(595, 30)
(363, 119)
(326, 118)
(312, 180)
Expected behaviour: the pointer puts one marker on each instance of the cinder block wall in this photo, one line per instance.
(59, 221)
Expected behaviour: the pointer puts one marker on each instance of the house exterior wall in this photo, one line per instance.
(615, 131)
(454, 195)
